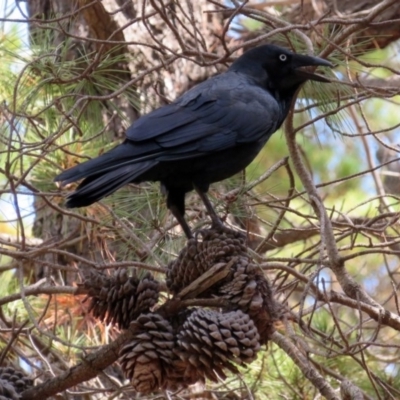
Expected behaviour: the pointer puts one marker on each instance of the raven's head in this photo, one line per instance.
(278, 68)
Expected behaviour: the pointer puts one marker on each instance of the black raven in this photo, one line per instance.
(208, 134)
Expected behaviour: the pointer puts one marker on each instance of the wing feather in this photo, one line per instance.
(225, 105)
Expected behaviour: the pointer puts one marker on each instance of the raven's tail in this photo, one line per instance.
(97, 186)
(103, 176)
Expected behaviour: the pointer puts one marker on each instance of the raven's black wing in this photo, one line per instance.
(224, 111)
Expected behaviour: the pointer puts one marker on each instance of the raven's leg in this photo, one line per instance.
(176, 204)
(216, 221)
(181, 220)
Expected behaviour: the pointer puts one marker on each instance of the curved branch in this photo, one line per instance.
(348, 284)
(305, 366)
(87, 369)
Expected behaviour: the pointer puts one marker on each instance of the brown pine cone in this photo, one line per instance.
(199, 256)
(250, 291)
(7, 391)
(180, 374)
(145, 359)
(119, 299)
(242, 289)
(245, 287)
(210, 341)
(12, 383)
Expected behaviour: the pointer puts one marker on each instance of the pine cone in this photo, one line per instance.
(199, 256)
(180, 374)
(250, 292)
(120, 299)
(7, 391)
(145, 359)
(242, 289)
(12, 383)
(246, 287)
(209, 341)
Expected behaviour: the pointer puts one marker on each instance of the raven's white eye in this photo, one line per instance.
(283, 57)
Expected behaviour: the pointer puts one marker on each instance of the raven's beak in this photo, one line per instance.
(300, 61)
